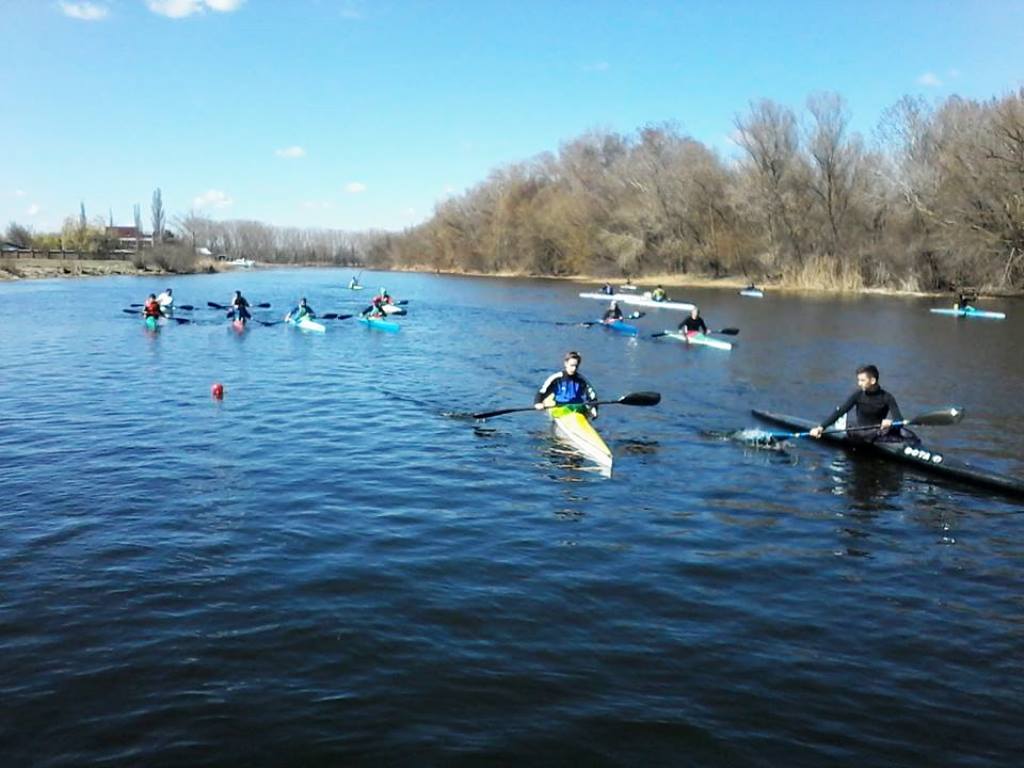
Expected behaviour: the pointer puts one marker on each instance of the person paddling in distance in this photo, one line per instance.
(607, 289)
(152, 307)
(166, 302)
(301, 312)
(613, 314)
(871, 406)
(658, 294)
(568, 388)
(240, 308)
(694, 323)
(354, 282)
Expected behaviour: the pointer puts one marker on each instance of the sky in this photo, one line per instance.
(356, 114)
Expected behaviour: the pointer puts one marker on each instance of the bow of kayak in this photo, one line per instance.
(380, 325)
(575, 428)
(926, 460)
(620, 327)
(700, 340)
(306, 324)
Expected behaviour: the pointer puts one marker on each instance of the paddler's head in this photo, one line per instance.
(152, 296)
(695, 313)
(867, 378)
(615, 305)
(302, 301)
(571, 362)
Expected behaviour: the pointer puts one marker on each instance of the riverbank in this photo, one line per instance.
(35, 269)
(680, 281)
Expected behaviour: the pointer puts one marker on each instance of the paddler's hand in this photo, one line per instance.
(886, 425)
(816, 432)
(539, 406)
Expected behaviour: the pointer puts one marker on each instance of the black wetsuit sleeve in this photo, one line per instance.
(840, 410)
(703, 326)
(894, 410)
(546, 389)
(591, 393)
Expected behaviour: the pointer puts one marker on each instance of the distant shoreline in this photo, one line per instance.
(649, 282)
(40, 269)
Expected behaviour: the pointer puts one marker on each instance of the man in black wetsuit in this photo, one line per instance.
(612, 314)
(872, 406)
(694, 323)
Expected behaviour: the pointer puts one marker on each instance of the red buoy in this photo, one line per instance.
(217, 390)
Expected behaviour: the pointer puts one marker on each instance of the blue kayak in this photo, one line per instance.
(969, 312)
(620, 327)
(380, 325)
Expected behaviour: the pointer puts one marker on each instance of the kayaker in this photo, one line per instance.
(612, 314)
(607, 289)
(567, 387)
(965, 300)
(385, 297)
(152, 307)
(376, 308)
(694, 323)
(658, 294)
(166, 301)
(871, 405)
(353, 283)
(301, 312)
(240, 307)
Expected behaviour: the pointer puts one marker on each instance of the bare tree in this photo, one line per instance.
(158, 217)
(137, 217)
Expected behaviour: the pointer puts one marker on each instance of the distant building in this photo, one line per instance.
(129, 238)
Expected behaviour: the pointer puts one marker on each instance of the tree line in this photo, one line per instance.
(934, 200)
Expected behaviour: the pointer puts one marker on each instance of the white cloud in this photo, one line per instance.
(19, 193)
(929, 80)
(84, 11)
(33, 209)
(179, 9)
(290, 152)
(355, 187)
(317, 205)
(212, 198)
(597, 66)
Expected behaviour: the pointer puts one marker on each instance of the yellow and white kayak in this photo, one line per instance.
(575, 428)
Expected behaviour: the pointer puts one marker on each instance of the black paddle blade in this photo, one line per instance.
(181, 320)
(940, 418)
(264, 305)
(640, 398)
(213, 305)
(131, 311)
(502, 412)
(659, 334)
(729, 331)
(185, 307)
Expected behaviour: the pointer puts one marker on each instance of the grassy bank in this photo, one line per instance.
(28, 269)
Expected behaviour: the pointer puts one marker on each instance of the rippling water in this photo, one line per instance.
(330, 567)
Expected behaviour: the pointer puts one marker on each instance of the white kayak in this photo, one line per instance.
(391, 309)
(638, 301)
(305, 324)
(969, 312)
(700, 340)
(752, 293)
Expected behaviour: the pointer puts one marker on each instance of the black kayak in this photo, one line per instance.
(932, 462)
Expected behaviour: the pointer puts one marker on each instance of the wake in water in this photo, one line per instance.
(751, 438)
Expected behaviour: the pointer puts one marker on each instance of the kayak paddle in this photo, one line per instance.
(720, 331)
(633, 398)
(941, 418)
(334, 316)
(214, 305)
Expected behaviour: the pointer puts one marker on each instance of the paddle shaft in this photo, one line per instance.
(634, 398)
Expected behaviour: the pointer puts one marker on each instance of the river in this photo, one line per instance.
(333, 566)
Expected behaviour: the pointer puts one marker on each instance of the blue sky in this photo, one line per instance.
(357, 114)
